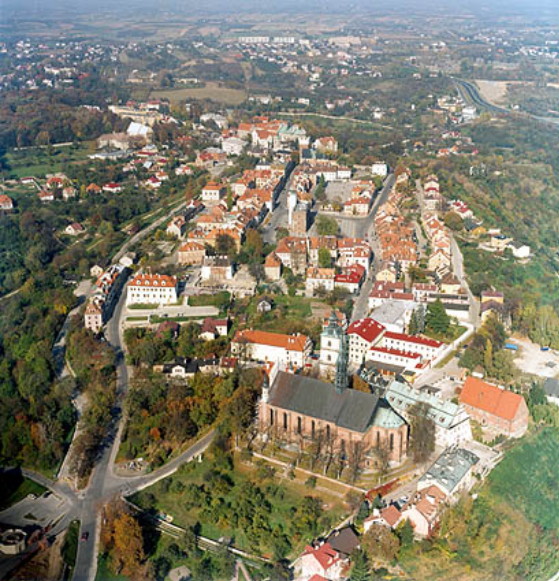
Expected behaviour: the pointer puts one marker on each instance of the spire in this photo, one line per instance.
(266, 389)
(341, 366)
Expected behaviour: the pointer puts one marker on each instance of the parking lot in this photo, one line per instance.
(531, 359)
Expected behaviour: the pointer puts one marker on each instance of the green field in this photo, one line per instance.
(212, 91)
(37, 161)
(219, 300)
(511, 531)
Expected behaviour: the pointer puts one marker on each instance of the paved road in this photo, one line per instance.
(278, 217)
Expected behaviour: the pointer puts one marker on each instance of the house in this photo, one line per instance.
(344, 541)
(213, 328)
(389, 517)
(191, 253)
(176, 226)
(326, 144)
(297, 406)
(93, 316)
(168, 327)
(320, 562)
(450, 285)
(351, 278)
(452, 423)
(46, 196)
(291, 350)
(551, 388)
(272, 267)
(451, 473)
(93, 189)
(112, 188)
(499, 410)
(424, 512)
(6, 203)
(74, 229)
(217, 269)
(128, 259)
(157, 289)
(68, 192)
(319, 278)
(212, 193)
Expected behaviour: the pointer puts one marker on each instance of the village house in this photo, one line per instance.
(424, 512)
(319, 279)
(389, 516)
(74, 229)
(217, 269)
(176, 227)
(6, 203)
(212, 193)
(156, 289)
(498, 410)
(213, 328)
(272, 267)
(321, 562)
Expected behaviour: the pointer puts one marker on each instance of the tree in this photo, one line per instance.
(324, 258)
(326, 226)
(380, 543)
(437, 319)
(405, 533)
(422, 432)
(225, 244)
(361, 569)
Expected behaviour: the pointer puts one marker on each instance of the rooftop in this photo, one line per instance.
(449, 469)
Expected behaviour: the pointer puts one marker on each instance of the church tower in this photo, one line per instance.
(332, 342)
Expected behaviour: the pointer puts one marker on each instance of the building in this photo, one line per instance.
(321, 562)
(213, 328)
(362, 335)
(379, 168)
(319, 278)
(74, 229)
(285, 350)
(6, 203)
(107, 291)
(452, 423)
(424, 511)
(191, 253)
(272, 267)
(551, 388)
(452, 472)
(499, 410)
(217, 269)
(297, 407)
(331, 340)
(212, 193)
(176, 227)
(156, 289)
(93, 317)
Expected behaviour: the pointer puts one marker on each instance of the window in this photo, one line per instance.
(299, 425)
(313, 427)
(271, 417)
(391, 442)
(284, 421)
(327, 431)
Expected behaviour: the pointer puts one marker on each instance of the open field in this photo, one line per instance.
(213, 91)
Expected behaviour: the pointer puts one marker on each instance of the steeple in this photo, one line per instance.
(265, 389)
(341, 382)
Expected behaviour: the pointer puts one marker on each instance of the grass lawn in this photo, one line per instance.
(25, 488)
(453, 332)
(511, 531)
(213, 300)
(70, 548)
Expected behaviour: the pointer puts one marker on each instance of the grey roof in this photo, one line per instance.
(344, 541)
(551, 387)
(391, 312)
(351, 409)
(449, 469)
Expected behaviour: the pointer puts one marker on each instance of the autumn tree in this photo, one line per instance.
(380, 544)
(422, 442)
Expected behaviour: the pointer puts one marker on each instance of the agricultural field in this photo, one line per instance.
(213, 91)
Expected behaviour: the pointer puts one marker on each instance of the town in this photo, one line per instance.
(303, 335)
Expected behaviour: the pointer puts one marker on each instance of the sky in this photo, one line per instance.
(217, 7)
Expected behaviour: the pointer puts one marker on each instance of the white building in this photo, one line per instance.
(379, 168)
(286, 350)
(156, 289)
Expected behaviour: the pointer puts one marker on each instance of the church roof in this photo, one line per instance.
(350, 409)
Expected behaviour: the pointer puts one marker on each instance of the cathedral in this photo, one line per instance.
(296, 408)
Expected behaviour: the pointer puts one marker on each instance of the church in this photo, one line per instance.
(296, 406)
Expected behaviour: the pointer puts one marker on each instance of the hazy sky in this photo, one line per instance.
(548, 8)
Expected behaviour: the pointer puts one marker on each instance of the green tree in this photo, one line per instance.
(326, 226)
(436, 319)
(225, 244)
(324, 258)
(380, 544)
(361, 568)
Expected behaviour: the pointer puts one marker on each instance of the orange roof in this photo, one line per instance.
(153, 280)
(490, 398)
(192, 247)
(272, 260)
(289, 342)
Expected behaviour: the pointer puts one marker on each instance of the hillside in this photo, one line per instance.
(510, 531)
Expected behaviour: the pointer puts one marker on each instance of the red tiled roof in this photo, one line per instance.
(490, 398)
(288, 342)
(391, 515)
(153, 280)
(325, 555)
(368, 329)
(413, 339)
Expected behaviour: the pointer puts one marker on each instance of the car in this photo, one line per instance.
(85, 536)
